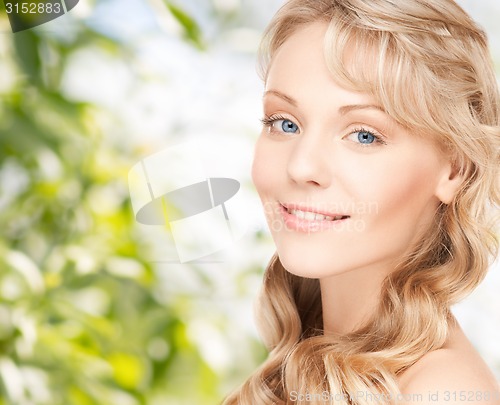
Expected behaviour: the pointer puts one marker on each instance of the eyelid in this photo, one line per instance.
(269, 120)
(379, 137)
(279, 116)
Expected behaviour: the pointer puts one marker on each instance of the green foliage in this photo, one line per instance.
(191, 29)
(81, 318)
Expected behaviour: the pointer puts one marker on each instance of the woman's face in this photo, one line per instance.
(344, 187)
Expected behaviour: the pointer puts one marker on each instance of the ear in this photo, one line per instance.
(449, 182)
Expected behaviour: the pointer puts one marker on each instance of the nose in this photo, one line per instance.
(308, 162)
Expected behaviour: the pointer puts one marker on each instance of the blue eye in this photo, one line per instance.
(279, 124)
(288, 126)
(366, 137)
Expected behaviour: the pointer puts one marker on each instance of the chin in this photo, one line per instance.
(302, 266)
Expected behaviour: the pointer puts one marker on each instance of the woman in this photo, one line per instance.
(378, 170)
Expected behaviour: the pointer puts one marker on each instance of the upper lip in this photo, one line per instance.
(300, 207)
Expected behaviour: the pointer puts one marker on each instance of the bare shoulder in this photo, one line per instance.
(451, 375)
(449, 369)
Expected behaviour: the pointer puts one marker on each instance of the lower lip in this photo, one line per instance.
(303, 225)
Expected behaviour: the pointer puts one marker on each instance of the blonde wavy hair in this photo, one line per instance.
(427, 63)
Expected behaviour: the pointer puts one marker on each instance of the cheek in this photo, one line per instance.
(404, 195)
(266, 167)
(389, 179)
(259, 168)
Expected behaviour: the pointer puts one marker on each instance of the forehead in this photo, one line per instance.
(304, 48)
(300, 66)
(367, 63)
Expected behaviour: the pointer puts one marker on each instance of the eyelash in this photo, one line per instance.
(379, 139)
(268, 122)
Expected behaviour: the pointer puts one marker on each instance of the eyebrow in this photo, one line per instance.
(342, 110)
(348, 108)
(281, 95)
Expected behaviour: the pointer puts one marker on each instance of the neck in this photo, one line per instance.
(350, 299)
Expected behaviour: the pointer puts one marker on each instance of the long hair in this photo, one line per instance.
(427, 63)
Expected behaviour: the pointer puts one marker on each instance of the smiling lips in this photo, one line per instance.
(306, 219)
(311, 216)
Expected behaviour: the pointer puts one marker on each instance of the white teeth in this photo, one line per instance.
(311, 216)
(298, 214)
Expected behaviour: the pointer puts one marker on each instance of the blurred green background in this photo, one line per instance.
(88, 314)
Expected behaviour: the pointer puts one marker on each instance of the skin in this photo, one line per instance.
(454, 374)
(317, 151)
